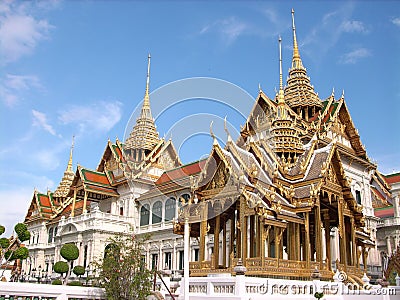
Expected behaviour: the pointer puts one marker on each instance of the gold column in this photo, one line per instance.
(259, 236)
(84, 202)
(202, 242)
(244, 239)
(365, 256)
(298, 257)
(73, 203)
(342, 234)
(318, 234)
(307, 253)
(224, 245)
(327, 239)
(216, 240)
(353, 243)
(277, 242)
(252, 239)
(231, 240)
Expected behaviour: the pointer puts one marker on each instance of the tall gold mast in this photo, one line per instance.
(296, 62)
(281, 97)
(146, 102)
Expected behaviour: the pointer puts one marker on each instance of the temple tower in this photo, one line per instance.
(299, 93)
(144, 136)
(64, 186)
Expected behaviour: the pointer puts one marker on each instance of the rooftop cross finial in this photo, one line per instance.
(296, 62)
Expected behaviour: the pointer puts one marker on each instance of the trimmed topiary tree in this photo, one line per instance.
(79, 270)
(61, 267)
(70, 252)
(12, 248)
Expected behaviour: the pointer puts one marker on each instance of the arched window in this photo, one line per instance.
(358, 196)
(170, 205)
(157, 211)
(111, 250)
(144, 215)
(50, 238)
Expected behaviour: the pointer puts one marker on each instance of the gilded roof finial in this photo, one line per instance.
(69, 167)
(146, 102)
(296, 62)
(281, 97)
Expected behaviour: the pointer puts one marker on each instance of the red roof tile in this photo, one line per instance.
(181, 172)
(44, 200)
(392, 178)
(384, 212)
(95, 177)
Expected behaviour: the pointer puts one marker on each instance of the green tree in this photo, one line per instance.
(69, 252)
(12, 248)
(122, 272)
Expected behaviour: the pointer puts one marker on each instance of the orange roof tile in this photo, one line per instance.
(95, 177)
(384, 212)
(183, 171)
(392, 178)
(44, 200)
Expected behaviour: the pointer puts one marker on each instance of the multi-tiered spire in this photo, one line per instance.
(287, 144)
(299, 93)
(64, 186)
(144, 135)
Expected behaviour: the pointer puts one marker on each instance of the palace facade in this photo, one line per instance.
(295, 192)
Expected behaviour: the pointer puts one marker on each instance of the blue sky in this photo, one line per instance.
(79, 68)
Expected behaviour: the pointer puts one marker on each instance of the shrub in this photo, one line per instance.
(2, 229)
(4, 243)
(61, 267)
(20, 253)
(24, 236)
(20, 228)
(69, 252)
(56, 282)
(74, 283)
(79, 270)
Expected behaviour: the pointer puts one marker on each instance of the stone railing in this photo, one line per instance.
(17, 290)
(388, 222)
(225, 286)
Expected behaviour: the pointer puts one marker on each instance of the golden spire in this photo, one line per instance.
(299, 92)
(69, 166)
(144, 134)
(63, 188)
(146, 102)
(296, 62)
(281, 97)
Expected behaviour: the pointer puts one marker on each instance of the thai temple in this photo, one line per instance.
(294, 193)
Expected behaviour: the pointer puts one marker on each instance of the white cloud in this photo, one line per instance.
(20, 32)
(396, 21)
(40, 119)
(229, 28)
(100, 116)
(353, 27)
(12, 87)
(355, 55)
(17, 197)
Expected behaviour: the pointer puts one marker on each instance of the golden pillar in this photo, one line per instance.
(327, 239)
(224, 245)
(202, 242)
(318, 234)
(84, 202)
(73, 203)
(244, 239)
(216, 240)
(232, 239)
(307, 252)
(353, 242)
(253, 241)
(342, 234)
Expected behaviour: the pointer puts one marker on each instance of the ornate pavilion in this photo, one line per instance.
(281, 194)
